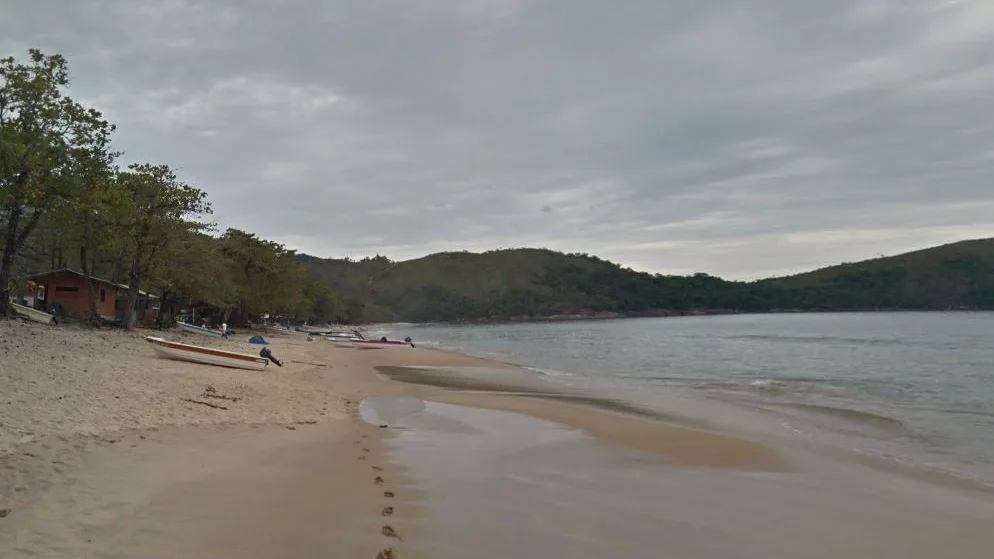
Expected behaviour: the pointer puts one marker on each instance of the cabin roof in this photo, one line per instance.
(35, 277)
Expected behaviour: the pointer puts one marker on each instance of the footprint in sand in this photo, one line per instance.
(390, 533)
(362, 457)
(387, 511)
(388, 494)
(376, 468)
(387, 553)
(378, 480)
(365, 450)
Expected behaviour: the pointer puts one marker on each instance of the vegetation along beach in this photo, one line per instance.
(517, 402)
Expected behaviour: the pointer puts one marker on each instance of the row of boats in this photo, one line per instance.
(213, 356)
(225, 358)
(341, 338)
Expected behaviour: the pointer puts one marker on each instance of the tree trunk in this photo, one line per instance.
(134, 280)
(118, 273)
(88, 284)
(166, 303)
(7, 258)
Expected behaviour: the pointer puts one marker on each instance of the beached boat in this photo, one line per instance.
(194, 329)
(287, 331)
(313, 331)
(341, 341)
(382, 343)
(343, 334)
(206, 355)
(32, 314)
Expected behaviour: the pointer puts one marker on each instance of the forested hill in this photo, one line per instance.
(535, 283)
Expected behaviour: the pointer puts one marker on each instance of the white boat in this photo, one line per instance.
(341, 341)
(192, 328)
(206, 355)
(383, 343)
(287, 331)
(312, 330)
(342, 334)
(32, 314)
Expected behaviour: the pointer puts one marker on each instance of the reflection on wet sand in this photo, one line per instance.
(500, 484)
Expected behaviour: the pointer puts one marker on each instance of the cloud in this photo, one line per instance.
(737, 139)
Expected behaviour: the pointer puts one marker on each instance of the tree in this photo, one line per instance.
(190, 267)
(266, 276)
(158, 208)
(46, 139)
(86, 221)
(318, 302)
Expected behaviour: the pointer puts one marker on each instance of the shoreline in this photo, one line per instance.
(932, 439)
(293, 456)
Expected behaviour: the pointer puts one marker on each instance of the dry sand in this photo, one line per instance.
(122, 466)
(103, 455)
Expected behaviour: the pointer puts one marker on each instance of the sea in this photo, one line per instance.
(917, 388)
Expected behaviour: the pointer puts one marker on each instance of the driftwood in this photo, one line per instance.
(203, 403)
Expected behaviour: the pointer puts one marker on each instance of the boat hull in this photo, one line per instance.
(379, 344)
(313, 331)
(339, 341)
(206, 355)
(194, 329)
(32, 314)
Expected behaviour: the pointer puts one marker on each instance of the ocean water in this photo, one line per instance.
(915, 387)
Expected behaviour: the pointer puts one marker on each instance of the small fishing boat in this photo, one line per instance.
(312, 331)
(341, 341)
(382, 343)
(194, 329)
(287, 331)
(32, 314)
(206, 355)
(343, 334)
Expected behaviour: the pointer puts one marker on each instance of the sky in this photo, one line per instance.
(743, 139)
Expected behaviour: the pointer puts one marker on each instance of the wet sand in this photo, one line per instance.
(489, 474)
(350, 453)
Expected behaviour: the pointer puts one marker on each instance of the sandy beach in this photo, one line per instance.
(107, 451)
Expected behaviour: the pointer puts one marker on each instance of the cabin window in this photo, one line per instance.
(70, 288)
(103, 295)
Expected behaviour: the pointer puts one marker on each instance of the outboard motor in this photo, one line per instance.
(269, 355)
(408, 340)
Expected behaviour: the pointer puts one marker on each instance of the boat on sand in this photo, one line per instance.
(32, 314)
(206, 355)
(382, 343)
(194, 329)
(341, 341)
(285, 330)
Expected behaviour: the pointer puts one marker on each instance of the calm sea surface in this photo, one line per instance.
(914, 386)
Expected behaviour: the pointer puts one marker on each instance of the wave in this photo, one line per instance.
(773, 386)
(548, 372)
(850, 414)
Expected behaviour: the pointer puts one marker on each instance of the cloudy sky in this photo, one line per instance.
(740, 138)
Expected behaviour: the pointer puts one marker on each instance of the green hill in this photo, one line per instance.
(535, 283)
(954, 276)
